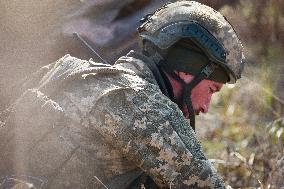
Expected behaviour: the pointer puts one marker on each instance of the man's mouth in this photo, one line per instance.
(197, 112)
(186, 113)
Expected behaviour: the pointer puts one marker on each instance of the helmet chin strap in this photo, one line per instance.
(205, 73)
(187, 89)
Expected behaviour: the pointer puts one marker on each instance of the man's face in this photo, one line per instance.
(201, 94)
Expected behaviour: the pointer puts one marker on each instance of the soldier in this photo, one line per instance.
(83, 124)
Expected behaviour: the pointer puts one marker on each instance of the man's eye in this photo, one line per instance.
(211, 90)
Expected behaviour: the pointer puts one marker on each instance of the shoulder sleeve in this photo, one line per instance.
(151, 131)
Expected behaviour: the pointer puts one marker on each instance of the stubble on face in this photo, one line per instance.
(200, 96)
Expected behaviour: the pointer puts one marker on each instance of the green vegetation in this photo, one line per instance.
(247, 150)
(244, 131)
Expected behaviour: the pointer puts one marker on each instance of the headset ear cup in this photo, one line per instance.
(192, 60)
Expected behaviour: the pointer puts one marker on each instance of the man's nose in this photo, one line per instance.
(204, 109)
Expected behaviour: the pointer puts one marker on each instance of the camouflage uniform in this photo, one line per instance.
(87, 123)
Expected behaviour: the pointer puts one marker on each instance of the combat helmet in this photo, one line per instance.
(202, 27)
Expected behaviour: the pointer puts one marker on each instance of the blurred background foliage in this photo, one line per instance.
(242, 133)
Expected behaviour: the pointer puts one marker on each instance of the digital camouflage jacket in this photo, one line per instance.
(92, 125)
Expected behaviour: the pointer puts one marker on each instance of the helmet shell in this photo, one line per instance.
(211, 20)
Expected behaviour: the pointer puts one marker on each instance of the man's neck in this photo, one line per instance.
(176, 86)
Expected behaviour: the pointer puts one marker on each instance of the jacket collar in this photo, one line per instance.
(146, 68)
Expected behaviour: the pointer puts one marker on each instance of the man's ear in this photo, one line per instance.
(186, 77)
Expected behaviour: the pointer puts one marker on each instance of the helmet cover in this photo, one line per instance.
(207, 28)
